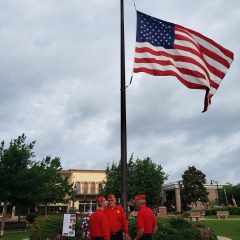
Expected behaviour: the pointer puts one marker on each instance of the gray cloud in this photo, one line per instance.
(59, 83)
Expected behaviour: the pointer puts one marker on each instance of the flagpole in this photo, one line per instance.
(123, 114)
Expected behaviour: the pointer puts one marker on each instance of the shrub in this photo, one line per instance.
(232, 211)
(46, 227)
(31, 217)
(177, 223)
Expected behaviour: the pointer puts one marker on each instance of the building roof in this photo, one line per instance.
(83, 170)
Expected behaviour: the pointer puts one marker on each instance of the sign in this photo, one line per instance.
(69, 225)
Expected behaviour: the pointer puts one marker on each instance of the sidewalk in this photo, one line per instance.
(223, 238)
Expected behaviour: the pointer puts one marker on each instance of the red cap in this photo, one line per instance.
(101, 199)
(140, 197)
(111, 197)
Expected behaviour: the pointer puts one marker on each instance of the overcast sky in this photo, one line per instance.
(60, 81)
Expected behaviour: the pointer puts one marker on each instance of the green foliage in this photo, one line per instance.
(213, 212)
(144, 177)
(49, 227)
(44, 227)
(231, 191)
(31, 217)
(193, 190)
(14, 163)
(29, 182)
(168, 229)
(171, 229)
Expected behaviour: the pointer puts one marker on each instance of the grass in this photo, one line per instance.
(15, 235)
(227, 228)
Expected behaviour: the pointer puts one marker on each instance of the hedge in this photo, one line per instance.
(232, 211)
(50, 227)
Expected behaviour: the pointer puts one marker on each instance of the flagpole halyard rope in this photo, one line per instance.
(131, 78)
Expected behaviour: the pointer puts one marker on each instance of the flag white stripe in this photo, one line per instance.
(180, 53)
(215, 64)
(185, 44)
(188, 78)
(185, 35)
(212, 48)
(189, 66)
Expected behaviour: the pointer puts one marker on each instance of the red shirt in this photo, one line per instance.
(117, 219)
(146, 220)
(99, 225)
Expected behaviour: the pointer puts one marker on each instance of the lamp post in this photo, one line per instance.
(180, 195)
(73, 197)
(219, 200)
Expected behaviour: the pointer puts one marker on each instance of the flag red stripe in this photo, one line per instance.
(170, 73)
(204, 50)
(167, 63)
(215, 56)
(210, 41)
(185, 59)
(181, 37)
(212, 69)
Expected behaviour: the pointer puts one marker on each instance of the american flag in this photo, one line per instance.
(234, 201)
(168, 49)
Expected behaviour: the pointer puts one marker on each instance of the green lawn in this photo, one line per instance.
(15, 236)
(227, 228)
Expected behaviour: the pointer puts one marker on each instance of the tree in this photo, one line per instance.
(144, 177)
(232, 191)
(25, 182)
(193, 190)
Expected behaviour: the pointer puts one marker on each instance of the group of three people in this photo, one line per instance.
(109, 222)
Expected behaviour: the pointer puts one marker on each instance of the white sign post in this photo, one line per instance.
(69, 225)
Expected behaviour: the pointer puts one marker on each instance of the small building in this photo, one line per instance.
(87, 187)
(171, 195)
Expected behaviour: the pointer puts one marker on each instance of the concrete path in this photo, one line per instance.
(223, 238)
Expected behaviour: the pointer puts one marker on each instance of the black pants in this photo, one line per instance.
(98, 238)
(146, 236)
(117, 235)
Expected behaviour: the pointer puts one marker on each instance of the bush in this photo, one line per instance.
(232, 211)
(170, 229)
(50, 227)
(31, 217)
(46, 227)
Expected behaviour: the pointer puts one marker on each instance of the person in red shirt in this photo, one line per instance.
(146, 222)
(117, 219)
(98, 222)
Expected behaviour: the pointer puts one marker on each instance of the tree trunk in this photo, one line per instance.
(46, 210)
(3, 218)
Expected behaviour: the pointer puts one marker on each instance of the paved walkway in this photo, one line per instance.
(223, 238)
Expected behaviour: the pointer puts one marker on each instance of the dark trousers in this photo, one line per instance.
(146, 236)
(117, 235)
(98, 238)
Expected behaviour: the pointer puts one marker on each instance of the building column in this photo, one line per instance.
(178, 200)
(97, 188)
(13, 211)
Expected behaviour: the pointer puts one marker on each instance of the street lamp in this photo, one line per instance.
(212, 181)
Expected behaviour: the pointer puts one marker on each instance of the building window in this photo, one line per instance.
(85, 187)
(93, 188)
(100, 187)
(77, 186)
